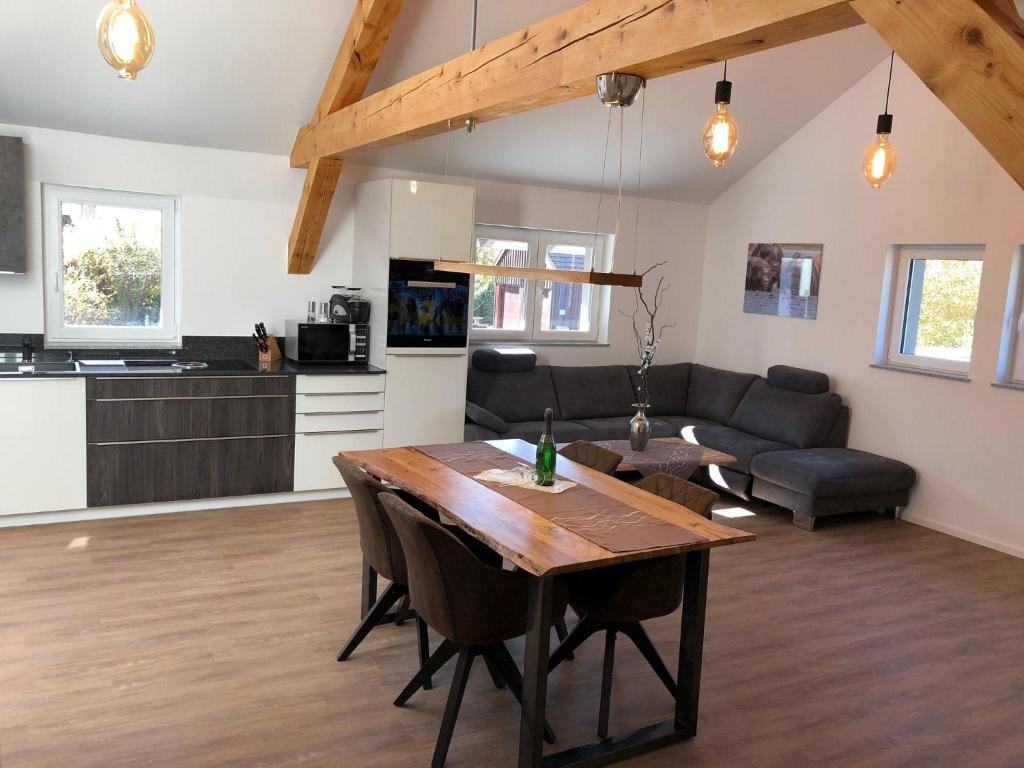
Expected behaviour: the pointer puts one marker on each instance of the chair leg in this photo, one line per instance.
(381, 607)
(580, 632)
(606, 683)
(562, 632)
(495, 671)
(451, 709)
(642, 641)
(402, 611)
(444, 652)
(507, 665)
(423, 644)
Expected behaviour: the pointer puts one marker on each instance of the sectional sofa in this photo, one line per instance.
(787, 430)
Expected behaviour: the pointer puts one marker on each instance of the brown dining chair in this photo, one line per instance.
(591, 455)
(473, 606)
(615, 600)
(382, 554)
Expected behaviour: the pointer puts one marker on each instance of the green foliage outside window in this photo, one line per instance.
(949, 300)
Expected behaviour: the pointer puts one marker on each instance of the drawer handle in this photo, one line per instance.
(337, 413)
(190, 440)
(338, 394)
(342, 432)
(191, 397)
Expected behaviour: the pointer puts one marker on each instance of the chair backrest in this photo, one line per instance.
(377, 538)
(690, 495)
(591, 455)
(459, 596)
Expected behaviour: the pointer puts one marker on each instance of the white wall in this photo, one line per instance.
(964, 439)
(237, 211)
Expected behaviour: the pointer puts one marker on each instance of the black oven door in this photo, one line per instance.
(427, 307)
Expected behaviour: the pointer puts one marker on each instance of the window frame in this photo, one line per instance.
(900, 300)
(1010, 370)
(56, 332)
(537, 241)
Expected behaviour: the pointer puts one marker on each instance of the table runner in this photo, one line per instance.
(607, 522)
(679, 459)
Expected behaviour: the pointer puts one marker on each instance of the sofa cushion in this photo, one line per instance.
(593, 391)
(519, 396)
(504, 360)
(798, 379)
(565, 431)
(667, 386)
(473, 432)
(741, 445)
(478, 415)
(790, 417)
(679, 423)
(714, 393)
(828, 472)
(617, 428)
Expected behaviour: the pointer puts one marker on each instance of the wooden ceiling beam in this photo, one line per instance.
(557, 59)
(357, 57)
(970, 53)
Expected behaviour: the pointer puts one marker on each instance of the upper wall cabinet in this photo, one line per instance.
(404, 219)
(13, 251)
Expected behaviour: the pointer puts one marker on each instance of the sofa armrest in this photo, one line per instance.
(483, 417)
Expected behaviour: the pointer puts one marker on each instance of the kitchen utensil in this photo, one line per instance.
(323, 314)
(349, 306)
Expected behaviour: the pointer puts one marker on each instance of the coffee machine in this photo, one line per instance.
(348, 306)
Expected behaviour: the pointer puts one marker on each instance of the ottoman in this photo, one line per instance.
(816, 482)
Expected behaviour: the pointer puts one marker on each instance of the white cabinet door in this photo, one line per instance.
(314, 469)
(42, 445)
(431, 221)
(425, 400)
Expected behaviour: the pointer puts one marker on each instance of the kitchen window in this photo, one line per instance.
(111, 268)
(934, 298)
(516, 308)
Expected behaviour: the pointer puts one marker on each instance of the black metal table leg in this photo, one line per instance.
(691, 640)
(535, 677)
(369, 590)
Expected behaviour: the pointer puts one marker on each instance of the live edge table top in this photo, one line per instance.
(521, 536)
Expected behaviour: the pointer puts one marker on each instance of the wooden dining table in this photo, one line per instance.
(547, 551)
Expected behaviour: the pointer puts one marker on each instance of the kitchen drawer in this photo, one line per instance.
(314, 469)
(362, 382)
(111, 421)
(339, 403)
(338, 422)
(134, 387)
(136, 473)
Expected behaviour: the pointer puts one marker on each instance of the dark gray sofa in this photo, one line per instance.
(787, 430)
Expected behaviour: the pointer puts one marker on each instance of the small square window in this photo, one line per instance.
(934, 303)
(111, 268)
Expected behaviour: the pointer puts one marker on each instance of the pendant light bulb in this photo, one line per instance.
(880, 159)
(720, 131)
(125, 37)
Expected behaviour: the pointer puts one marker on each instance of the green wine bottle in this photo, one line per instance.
(546, 455)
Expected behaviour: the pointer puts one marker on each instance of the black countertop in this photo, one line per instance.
(215, 367)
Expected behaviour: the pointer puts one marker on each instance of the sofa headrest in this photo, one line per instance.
(504, 360)
(798, 379)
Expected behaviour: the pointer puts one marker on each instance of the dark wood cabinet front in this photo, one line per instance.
(136, 473)
(170, 439)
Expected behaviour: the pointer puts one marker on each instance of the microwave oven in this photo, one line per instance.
(326, 343)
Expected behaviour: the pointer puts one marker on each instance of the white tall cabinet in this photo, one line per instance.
(42, 445)
(425, 397)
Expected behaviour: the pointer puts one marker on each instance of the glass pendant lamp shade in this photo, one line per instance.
(880, 159)
(125, 37)
(720, 131)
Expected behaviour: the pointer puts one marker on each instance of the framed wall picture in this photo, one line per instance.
(783, 279)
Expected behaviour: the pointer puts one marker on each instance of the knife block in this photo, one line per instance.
(273, 352)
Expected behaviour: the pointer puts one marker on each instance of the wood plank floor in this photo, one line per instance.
(208, 639)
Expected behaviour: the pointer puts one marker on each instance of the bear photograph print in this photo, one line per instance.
(783, 279)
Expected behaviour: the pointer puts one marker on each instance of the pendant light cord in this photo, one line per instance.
(892, 60)
(725, 70)
(472, 34)
(639, 169)
(622, 141)
(604, 163)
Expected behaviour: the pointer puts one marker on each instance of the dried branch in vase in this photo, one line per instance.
(645, 316)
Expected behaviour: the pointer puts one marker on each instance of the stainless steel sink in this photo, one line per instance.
(41, 366)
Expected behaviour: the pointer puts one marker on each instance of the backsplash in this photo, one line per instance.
(200, 347)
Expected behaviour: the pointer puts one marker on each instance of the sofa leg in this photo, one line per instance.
(889, 512)
(803, 521)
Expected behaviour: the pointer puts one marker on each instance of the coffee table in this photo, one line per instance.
(708, 456)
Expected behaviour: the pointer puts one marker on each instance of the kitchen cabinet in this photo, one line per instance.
(332, 414)
(13, 245)
(42, 448)
(188, 437)
(425, 399)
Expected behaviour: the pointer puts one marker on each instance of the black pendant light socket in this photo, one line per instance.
(723, 92)
(884, 124)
